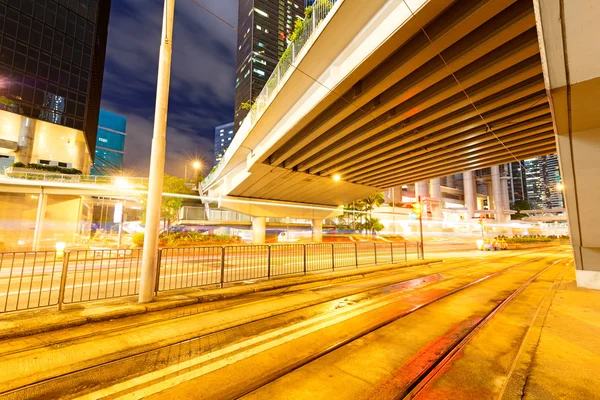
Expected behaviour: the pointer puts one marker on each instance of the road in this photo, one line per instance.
(423, 331)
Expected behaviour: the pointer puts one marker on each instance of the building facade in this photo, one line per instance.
(264, 27)
(51, 67)
(543, 177)
(517, 184)
(223, 137)
(110, 143)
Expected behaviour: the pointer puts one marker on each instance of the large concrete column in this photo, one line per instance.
(421, 190)
(497, 193)
(505, 196)
(469, 193)
(259, 230)
(450, 181)
(569, 32)
(435, 193)
(39, 221)
(317, 230)
(26, 137)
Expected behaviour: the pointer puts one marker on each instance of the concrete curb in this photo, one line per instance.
(31, 322)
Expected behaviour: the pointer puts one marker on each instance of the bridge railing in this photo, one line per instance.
(312, 24)
(117, 181)
(38, 279)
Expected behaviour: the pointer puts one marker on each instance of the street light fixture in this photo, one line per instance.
(195, 164)
(560, 187)
(336, 177)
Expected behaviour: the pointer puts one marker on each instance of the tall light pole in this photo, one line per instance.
(157, 157)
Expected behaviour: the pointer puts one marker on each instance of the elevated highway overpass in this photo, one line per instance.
(391, 92)
(387, 104)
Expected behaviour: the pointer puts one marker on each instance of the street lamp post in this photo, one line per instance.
(157, 157)
(195, 164)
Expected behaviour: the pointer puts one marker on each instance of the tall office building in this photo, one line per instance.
(263, 30)
(223, 138)
(551, 173)
(110, 143)
(517, 183)
(51, 67)
(543, 177)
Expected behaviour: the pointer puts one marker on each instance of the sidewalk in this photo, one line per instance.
(30, 322)
(565, 363)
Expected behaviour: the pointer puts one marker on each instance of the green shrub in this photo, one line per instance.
(54, 168)
(18, 164)
(138, 239)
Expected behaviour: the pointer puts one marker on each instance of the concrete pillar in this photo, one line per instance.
(259, 230)
(317, 230)
(39, 221)
(490, 195)
(497, 193)
(505, 195)
(450, 181)
(435, 193)
(469, 192)
(421, 190)
(568, 32)
(26, 137)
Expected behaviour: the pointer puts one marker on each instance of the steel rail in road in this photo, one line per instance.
(84, 376)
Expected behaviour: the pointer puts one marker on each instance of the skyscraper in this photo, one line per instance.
(517, 184)
(223, 138)
(543, 176)
(51, 67)
(263, 30)
(110, 143)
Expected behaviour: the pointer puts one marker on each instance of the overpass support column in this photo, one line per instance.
(421, 190)
(497, 193)
(469, 193)
(317, 230)
(39, 221)
(571, 63)
(435, 192)
(259, 230)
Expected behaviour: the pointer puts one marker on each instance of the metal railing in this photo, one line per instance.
(311, 24)
(217, 266)
(117, 181)
(49, 278)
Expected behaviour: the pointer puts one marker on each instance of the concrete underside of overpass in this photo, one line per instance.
(403, 114)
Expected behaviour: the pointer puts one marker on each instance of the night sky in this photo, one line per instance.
(202, 78)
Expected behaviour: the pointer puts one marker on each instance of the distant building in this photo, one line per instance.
(110, 143)
(51, 63)
(517, 184)
(543, 177)
(223, 137)
(263, 30)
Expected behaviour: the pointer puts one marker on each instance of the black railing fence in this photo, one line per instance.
(51, 278)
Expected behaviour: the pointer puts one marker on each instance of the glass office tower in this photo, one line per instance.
(52, 61)
(110, 144)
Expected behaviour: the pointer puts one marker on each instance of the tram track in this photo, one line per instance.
(196, 309)
(81, 378)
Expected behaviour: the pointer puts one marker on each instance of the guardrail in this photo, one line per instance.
(50, 278)
(181, 268)
(118, 181)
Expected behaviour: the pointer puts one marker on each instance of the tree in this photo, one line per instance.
(518, 206)
(358, 214)
(170, 206)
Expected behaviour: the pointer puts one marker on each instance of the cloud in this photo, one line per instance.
(202, 78)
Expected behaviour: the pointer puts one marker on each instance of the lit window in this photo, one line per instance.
(259, 72)
(261, 12)
(221, 134)
(261, 44)
(259, 27)
(266, 30)
(222, 130)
